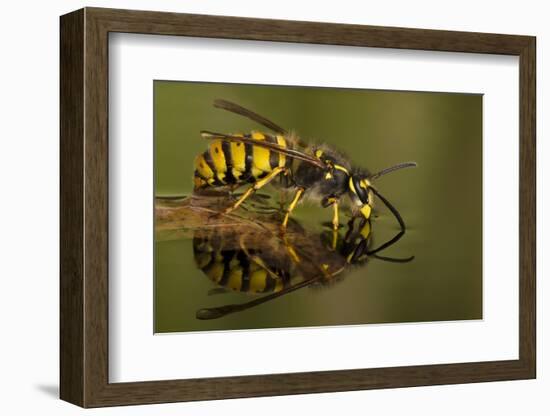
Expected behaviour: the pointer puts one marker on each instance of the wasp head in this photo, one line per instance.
(360, 192)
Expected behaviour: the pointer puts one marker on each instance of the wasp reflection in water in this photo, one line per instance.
(271, 265)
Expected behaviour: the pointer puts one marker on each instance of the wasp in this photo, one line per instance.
(253, 262)
(317, 171)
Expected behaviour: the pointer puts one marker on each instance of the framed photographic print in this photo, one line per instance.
(255, 207)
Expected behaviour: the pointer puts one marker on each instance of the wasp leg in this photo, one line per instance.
(335, 217)
(292, 205)
(291, 251)
(259, 184)
(257, 260)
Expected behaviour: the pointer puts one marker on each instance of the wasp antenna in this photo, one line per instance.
(237, 109)
(388, 243)
(205, 134)
(393, 169)
(390, 207)
(393, 259)
(220, 311)
(397, 216)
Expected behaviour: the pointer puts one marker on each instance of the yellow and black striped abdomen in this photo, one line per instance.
(233, 269)
(229, 163)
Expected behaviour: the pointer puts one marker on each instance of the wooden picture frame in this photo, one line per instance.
(84, 207)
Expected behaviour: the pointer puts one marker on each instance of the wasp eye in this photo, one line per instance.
(361, 189)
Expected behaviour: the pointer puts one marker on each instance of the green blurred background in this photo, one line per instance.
(440, 201)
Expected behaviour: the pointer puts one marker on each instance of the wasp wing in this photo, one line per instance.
(237, 109)
(296, 154)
